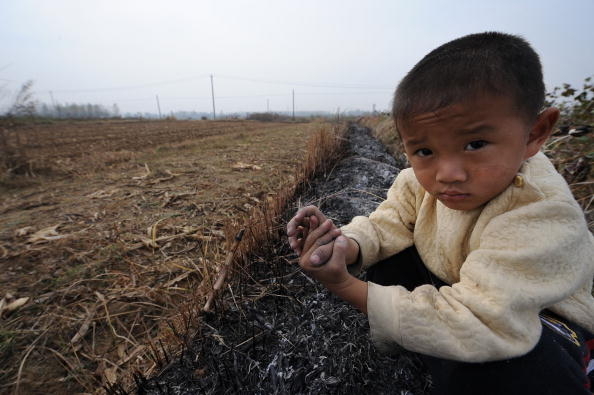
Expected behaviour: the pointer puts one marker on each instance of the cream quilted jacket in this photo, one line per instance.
(526, 250)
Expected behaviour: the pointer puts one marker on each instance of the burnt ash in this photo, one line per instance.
(295, 337)
(359, 181)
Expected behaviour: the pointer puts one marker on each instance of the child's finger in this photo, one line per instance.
(303, 212)
(312, 224)
(295, 230)
(296, 221)
(314, 234)
(302, 219)
(339, 248)
(306, 222)
(299, 239)
(330, 254)
(327, 237)
(294, 242)
(297, 243)
(322, 254)
(307, 227)
(317, 233)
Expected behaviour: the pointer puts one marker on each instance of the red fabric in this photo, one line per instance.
(587, 358)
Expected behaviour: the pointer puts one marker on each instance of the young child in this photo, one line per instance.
(483, 259)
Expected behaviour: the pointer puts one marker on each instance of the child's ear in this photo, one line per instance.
(541, 130)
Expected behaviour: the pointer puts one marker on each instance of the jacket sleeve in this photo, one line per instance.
(389, 229)
(527, 259)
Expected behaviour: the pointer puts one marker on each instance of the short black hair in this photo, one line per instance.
(460, 70)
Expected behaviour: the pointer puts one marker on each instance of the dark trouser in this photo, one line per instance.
(556, 366)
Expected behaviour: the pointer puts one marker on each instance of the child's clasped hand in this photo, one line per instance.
(319, 244)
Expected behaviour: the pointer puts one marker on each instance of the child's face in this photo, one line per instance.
(466, 154)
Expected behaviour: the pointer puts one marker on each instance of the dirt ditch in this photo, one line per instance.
(284, 333)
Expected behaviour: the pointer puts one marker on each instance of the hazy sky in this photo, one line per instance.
(347, 54)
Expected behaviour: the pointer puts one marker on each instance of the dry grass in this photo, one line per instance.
(248, 238)
(109, 256)
(80, 147)
(263, 226)
(249, 241)
(572, 156)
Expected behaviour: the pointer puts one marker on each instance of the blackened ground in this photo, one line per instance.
(285, 334)
(359, 182)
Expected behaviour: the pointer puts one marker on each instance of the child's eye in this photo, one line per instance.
(474, 145)
(423, 152)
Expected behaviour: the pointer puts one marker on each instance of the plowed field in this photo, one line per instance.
(115, 223)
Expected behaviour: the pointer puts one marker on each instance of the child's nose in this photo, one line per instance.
(450, 171)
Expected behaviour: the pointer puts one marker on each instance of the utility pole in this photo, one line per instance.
(338, 115)
(54, 103)
(214, 113)
(158, 106)
(293, 104)
(267, 105)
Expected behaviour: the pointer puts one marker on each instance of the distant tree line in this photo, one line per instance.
(25, 106)
(268, 117)
(76, 111)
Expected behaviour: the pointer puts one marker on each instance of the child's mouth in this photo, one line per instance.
(452, 196)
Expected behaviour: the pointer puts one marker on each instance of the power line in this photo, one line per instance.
(323, 89)
(342, 93)
(228, 77)
(306, 84)
(120, 88)
(170, 98)
(181, 98)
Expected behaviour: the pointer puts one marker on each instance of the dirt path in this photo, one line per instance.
(287, 334)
